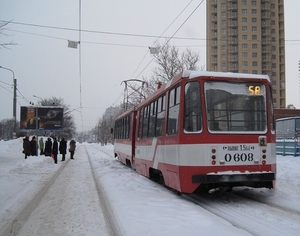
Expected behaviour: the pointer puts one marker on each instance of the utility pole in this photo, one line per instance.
(14, 100)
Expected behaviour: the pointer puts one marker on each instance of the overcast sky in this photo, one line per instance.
(114, 47)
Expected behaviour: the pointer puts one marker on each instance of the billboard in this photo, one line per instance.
(48, 118)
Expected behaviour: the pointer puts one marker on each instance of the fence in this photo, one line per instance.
(285, 145)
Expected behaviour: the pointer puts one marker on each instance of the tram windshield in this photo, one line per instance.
(235, 107)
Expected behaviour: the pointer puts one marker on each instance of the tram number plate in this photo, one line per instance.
(238, 153)
(237, 157)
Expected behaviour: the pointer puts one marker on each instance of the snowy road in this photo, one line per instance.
(97, 195)
(252, 216)
(61, 202)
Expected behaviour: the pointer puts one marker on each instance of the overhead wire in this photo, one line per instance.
(173, 35)
(161, 36)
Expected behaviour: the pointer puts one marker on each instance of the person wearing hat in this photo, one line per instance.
(33, 146)
(26, 147)
(55, 150)
(48, 147)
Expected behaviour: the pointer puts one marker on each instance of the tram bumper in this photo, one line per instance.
(233, 178)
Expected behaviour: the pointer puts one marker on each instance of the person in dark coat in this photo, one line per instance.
(72, 148)
(55, 150)
(63, 148)
(48, 147)
(26, 147)
(33, 146)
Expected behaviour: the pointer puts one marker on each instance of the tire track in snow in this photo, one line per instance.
(12, 228)
(251, 216)
(108, 212)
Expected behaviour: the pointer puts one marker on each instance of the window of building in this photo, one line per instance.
(224, 48)
(273, 31)
(245, 63)
(244, 11)
(224, 66)
(254, 28)
(245, 54)
(244, 71)
(273, 65)
(272, 14)
(272, 5)
(274, 75)
(273, 57)
(244, 2)
(273, 39)
(273, 48)
(223, 6)
(223, 22)
(223, 56)
(244, 46)
(253, 11)
(254, 37)
(244, 37)
(253, 3)
(254, 63)
(254, 46)
(223, 40)
(254, 19)
(254, 54)
(244, 20)
(254, 71)
(272, 22)
(223, 14)
(244, 28)
(223, 31)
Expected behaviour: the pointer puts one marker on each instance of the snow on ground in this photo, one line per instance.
(141, 207)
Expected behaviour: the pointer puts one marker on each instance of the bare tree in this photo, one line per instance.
(2, 29)
(69, 129)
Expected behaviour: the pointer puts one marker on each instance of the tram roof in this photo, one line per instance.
(193, 74)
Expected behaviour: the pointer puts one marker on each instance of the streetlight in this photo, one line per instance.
(38, 97)
(14, 99)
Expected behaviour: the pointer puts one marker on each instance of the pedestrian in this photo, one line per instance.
(48, 147)
(26, 147)
(72, 148)
(33, 146)
(41, 146)
(55, 150)
(63, 148)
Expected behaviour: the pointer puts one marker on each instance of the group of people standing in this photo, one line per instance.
(49, 149)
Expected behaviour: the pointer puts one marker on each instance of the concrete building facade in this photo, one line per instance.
(247, 36)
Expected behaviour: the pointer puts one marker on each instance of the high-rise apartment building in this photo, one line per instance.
(247, 36)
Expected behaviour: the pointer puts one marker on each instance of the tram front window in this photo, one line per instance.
(235, 107)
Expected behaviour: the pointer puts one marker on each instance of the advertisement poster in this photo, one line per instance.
(48, 118)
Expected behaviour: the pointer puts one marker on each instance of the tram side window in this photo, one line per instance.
(173, 111)
(140, 123)
(192, 107)
(146, 122)
(152, 119)
(160, 116)
(122, 128)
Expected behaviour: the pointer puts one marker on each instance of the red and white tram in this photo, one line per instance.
(202, 129)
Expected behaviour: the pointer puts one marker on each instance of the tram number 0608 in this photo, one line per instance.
(237, 157)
